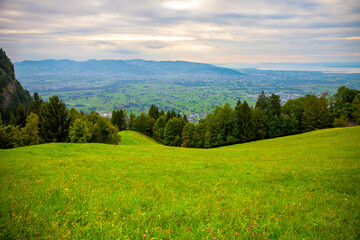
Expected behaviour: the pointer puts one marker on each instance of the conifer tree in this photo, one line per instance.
(309, 117)
(259, 117)
(36, 103)
(54, 120)
(154, 112)
(21, 116)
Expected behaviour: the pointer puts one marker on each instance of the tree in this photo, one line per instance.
(343, 99)
(142, 124)
(36, 103)
(199, 134)
(131, 121)
(245, 122)
(294, 106)
(324, 116)
(188, 135)
(172, 132)
(21, 116)
(4, 136)
(119, 119)
(159, 127)
(30, 133)
(172, 113)
(54, 120)
(263, 102)
(309, 117)
(356, 106)
(275, 105)
(154, 112)
(101, 129)
(259, 117)
(73, 115)
(79, 131)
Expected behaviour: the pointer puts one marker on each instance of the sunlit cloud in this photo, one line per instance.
(132, 38)
(182, 5)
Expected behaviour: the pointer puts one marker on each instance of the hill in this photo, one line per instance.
(11, 92)
(119, 67)
(134, 138)
(298, 187)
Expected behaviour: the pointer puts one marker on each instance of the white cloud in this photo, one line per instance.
(187, 29)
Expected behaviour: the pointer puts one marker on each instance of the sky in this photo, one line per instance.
(209, 31)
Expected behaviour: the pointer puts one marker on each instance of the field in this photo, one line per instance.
(195, 95)
(298, 187)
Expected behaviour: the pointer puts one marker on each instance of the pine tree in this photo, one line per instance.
(131, 121)
(324, 116)
(54, 121)
(309, 117)
(263, 102)
(259, 117)
(36, 103)
(154, 112)
(119, 119)
(188, 135)
(21, 116)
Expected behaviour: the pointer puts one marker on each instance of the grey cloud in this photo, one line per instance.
(237, 27)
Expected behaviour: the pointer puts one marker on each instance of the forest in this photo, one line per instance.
(51, 121)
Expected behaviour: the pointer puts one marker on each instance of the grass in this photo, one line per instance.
(298, 187)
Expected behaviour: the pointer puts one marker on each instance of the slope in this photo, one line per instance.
(299, 187)
(12, 93)
(134, 138)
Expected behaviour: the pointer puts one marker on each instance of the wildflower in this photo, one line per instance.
(190, 229)
(252, 235)
(171, 231)
(249, 229)
(144, 236)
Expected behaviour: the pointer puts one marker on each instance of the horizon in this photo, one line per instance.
(334, 67)
(312, 31)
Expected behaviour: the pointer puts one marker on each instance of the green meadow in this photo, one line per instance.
(304, 186)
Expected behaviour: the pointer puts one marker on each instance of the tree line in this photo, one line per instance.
(268, 119)
(51, 121)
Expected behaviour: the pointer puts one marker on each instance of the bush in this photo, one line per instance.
(341, 122)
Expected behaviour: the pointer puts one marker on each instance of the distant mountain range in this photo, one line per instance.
(119, 67)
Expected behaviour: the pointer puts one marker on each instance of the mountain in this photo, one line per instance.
(11, 91)
(119, 67)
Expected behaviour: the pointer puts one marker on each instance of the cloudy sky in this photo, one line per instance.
(213, 31)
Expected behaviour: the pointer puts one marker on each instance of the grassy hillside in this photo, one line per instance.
(299, 187)
(135, 138)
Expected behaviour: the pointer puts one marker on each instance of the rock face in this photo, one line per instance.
(12, 94)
